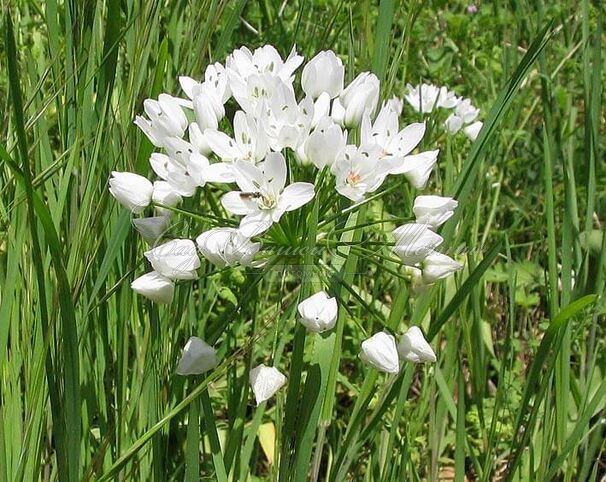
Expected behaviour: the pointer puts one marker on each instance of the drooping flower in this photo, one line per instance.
(323, 73)
(414, 242)
(414, 348)
(264, 196)
(265, 382)
(227, 247)
(155, 287)
(437, 266)
(198, 357)
(360, 96)
(434, 210)
(131, 190)
(325, 145)
(472, 130)
(152, 229)
(381, 352)
(417, 167)
(166, 119)
(175, 259)
(318, 313)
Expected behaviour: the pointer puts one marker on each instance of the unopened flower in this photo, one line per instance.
(265, 382)
(414, 348)
(472, 130)
(417, 167)
(131, 190)
(264, 198)
(434, 210)
(152, 229)
(227, 247)
(360, 96)
(325, 145)
(164, 194)
(414, 242)
(323, 73)
(198, 357)
(176, 259)
(155, 287)
(166, 119)
(381, 352)
(318, 313)
(437, 266)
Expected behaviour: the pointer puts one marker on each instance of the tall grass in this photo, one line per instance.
(87, 383)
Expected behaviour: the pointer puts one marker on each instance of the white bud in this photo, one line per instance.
(323, 73)
(326, 144)
(318, 313)
(198, 357)
(414, 348)
(472, 130)
(131, 190)
(176, 259)
(380, 351)
(360, 96)
(438, 266)
(265, 381)
(434, 210)
(155, 287)
(414, 242)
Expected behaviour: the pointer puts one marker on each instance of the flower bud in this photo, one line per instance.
(438, 266)
(155, 287)
(380, 351)
(176, 259)
(473, 130)
(361, 96)
(414, 242)
(326, 144)
(434, 210)
(151, 229)
(131, 190)
(265, 381)
(323, 73)
(414, 348)
(198, 357)
(318, 313)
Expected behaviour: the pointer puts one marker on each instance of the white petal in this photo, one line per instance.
(236, 202)
(296, 195)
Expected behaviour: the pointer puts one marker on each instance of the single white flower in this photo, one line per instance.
(414, 242)
(318, 313)
(437, 266)
(417, 167)
(360, 171)
(154, 286)
(175, 259)
(447, 99)
(414, 348)
(325, 145)
(323, 73)
(215, 79)
(131, 190)
(151, 229)
(198, 357)
(264, 196)
(381, 352)
(227, 247)
(434, 210)
(453, 123)
(424, 97)
(166, 119)
(472, 130)
(360, 96)
(265, 382)
(166, 195)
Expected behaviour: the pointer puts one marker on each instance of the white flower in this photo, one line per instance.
(154, 286)
(263, 198)
(380, 351)
(131, 190)
(265, 381)
(198, 357)
(176, 259)
(198, 139)
(424, 97)
(318, 313)
(321, 109)
(453, 123)
(166, 195)
(215, 80)
(437, 266)
(464, 113)
(360, 171)
(360, 96)
(323, 73)
(415, 278)
(151, 229)
(414, 242)
(395, 104)
(166, 119)
(325, 145)
(472, 130)
(434, 210)
(414, 348)
(447, 99)
(264, 60)
(226, 247)
(417, 167)
(249, 143)
(286, 123)
(250, 93)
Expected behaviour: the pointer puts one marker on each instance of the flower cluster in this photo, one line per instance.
(425, 97)
(197, 145)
